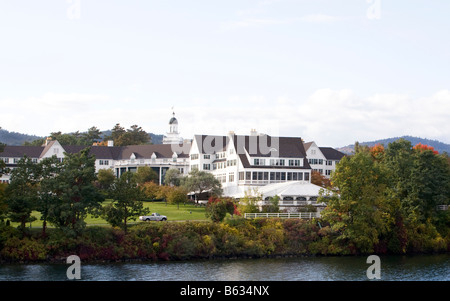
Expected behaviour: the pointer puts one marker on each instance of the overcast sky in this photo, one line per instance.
(331, 71)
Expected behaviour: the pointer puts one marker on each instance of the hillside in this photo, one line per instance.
(14, 138)
(439, 146)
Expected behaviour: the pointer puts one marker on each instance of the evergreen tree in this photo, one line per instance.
(127, 202)
(77, 194)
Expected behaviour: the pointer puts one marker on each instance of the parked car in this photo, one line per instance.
(154, 217)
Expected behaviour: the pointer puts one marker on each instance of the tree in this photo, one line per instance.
(127, 201)
(133, 136)
(49, 169)
(146, 174)
(91, 136)
(273, 205)
(172, 177)
(151, 190)
(3, 205)
(320, 180)
(215, 209)
(359, 211)
(177, 195)
(201, 181)
(22, 192)
(424, 147)
(75, 191)
(249, 203)
(3, 168)
(105, 178)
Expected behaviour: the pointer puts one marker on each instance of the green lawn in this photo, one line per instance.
(173, 213)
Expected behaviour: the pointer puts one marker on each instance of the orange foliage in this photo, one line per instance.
(377, 150)
(424, 147)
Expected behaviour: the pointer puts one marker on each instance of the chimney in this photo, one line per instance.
(110, 143)
(47, 140)
(253, 132)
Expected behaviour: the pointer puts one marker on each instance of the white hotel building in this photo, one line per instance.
(251, 164)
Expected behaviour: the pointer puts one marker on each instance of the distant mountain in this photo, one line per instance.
(14, 138)
(437, 145)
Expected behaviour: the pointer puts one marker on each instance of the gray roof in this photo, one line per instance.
(100, 152)
(19, 151)
(331, 153)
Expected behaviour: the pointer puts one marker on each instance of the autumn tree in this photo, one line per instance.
(359, 211)
(424, 147)
(319, 179)
(176, 195)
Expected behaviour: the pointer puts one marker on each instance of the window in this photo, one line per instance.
(294, 176)
(300, 176)
(306, 176)
(194, 166)
(313, 161)
(206, 157)
(255, 161)
(277, 162)
(231, 162)
(241, 176)
(207, 166)
(329, 163)
(320, 161)
(194, 156)
(294, 162)
(248, 175)
(328, 172)
(231, 177)
(6, 160)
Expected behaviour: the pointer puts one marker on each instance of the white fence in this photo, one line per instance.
(304, 215)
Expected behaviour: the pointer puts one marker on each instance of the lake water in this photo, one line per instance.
(392, 268)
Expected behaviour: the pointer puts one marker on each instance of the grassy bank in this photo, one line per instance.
(183, 212)
(236, 237)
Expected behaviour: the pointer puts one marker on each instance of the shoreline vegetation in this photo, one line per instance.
(195, 240)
